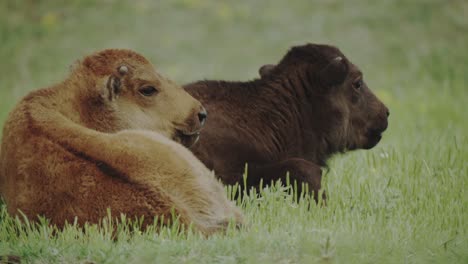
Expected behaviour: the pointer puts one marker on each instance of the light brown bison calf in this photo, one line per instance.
(103, 139)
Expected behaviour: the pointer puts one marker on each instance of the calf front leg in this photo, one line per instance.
(300, 170)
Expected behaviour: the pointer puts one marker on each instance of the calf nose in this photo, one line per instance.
(202, 115)
(388, 113)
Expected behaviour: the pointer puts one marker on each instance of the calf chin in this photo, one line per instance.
(372, 141)
(187, 140)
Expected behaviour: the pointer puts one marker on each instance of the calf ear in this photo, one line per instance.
(114, 83)
(266, 69)
(334, 73)
(113, 88)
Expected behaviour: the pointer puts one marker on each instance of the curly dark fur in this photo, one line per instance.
(299, 113)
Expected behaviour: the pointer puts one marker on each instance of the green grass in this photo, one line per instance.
(404, 201)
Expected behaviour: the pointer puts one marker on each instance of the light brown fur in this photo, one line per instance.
(95, 142)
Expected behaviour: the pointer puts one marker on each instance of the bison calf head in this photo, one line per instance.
(339, 105)
(364, 116)
(130, 93)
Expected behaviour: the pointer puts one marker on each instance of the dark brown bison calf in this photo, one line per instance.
(312, 104)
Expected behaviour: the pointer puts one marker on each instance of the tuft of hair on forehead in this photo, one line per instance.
(105, 62)
(316, 53)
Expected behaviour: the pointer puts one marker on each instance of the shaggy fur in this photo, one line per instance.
(97, 141)
(310, 105)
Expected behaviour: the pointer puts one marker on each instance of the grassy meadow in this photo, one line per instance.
(405, 201)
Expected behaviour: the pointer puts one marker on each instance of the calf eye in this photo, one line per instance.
(357, 84)
(148, 91)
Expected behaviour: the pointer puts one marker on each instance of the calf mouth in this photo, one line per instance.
(373, 138)
(187, 139)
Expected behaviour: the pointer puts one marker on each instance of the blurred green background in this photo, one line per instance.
(414, 55)
(410, 51)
